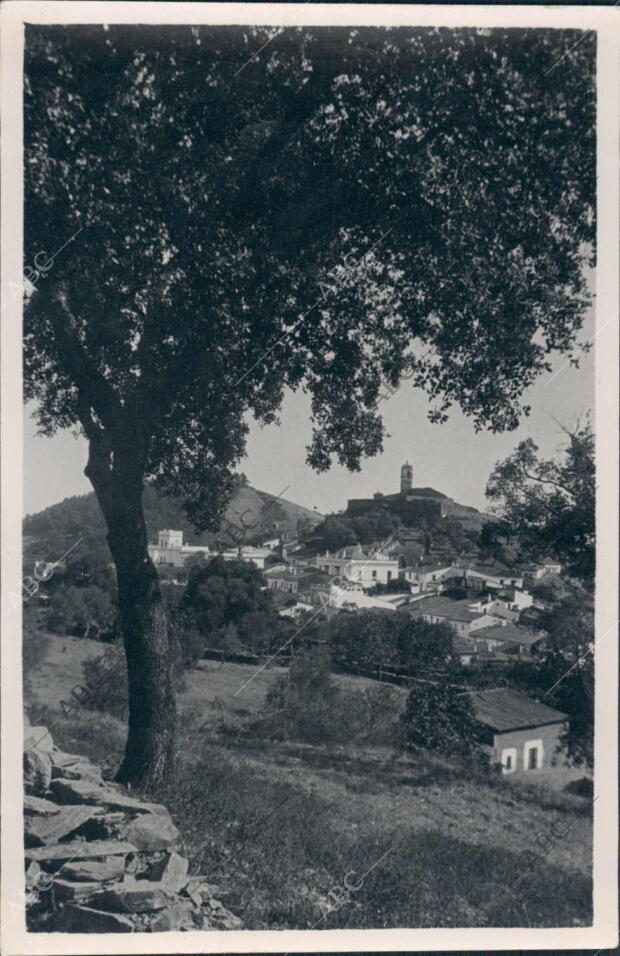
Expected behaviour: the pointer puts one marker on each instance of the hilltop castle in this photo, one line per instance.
(410, 504)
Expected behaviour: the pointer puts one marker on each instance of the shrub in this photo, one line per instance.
(440, 718)
(105, 680)
(105, 676)
(308, 705)
(584, 787)
(190, 645)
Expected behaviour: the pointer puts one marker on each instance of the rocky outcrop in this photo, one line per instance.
(101, 861)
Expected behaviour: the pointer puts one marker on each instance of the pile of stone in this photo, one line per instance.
(101, 861)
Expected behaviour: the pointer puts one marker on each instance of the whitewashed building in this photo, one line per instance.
(170, 550)
(353, 564)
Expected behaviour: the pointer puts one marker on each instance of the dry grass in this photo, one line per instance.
(277, 825)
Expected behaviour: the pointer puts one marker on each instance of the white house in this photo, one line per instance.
(506, 604)
(430, 577)
(350, 596)
(437, 577)
(256, 556)
(171, 550)
(537, 571)
(457, 614)
(353, 564)
(486, 577)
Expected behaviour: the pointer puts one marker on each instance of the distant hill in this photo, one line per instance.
(80, 516)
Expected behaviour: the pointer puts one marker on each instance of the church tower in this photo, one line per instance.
(406, 477)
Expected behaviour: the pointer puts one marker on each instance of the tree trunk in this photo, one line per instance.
(144, 626)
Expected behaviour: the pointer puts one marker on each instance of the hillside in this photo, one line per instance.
(277, 824)
(468, 516)
(61, 524)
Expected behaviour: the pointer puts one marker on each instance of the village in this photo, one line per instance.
(489, 608)
(309, 479)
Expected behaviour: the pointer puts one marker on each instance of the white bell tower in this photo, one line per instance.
(406, 477)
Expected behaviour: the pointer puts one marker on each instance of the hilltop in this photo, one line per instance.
(80, 516)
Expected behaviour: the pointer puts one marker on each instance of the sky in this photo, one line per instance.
(450, 457)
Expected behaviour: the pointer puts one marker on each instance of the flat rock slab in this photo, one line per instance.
(198, 889)
(39, 806)
(84, 919)
(40, 831)
(61, 759)
(37, 772)
(32, 871)
(68, 891)
(86, 791)
(81, 850)
(170, 872)
(175, 917)
(152, 832)
(78, 771)
(91, 870)
(219, 916)
(133, 896)
(40, 739)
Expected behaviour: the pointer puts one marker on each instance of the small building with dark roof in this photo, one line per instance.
(458, 614)
(511, 635)
(520, 733)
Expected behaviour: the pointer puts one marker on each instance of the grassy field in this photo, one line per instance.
(278, 826)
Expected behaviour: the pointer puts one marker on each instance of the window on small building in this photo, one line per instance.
(532, 757)
(389, 575)
(509, 760)
(374, 575)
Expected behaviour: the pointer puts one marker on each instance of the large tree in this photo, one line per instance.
(549, 503)
(347, 206)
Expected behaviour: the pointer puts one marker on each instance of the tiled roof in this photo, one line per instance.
(463, 647)
(494, 571)
(451, 610)
(510, 632)
(507, 709)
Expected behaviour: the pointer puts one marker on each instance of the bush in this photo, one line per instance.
(105, 676)
(189, 646)
(441, 719)
(105, 681)
(75, 610)
(584, 787)
(309, 706)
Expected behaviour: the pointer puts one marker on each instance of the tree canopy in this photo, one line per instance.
(221, 219)
(223, 595)
(550, 503)
(351, 205)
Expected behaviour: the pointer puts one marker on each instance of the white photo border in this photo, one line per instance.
(605, 21)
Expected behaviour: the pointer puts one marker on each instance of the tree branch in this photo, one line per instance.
(547, 481)
(91, 384)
